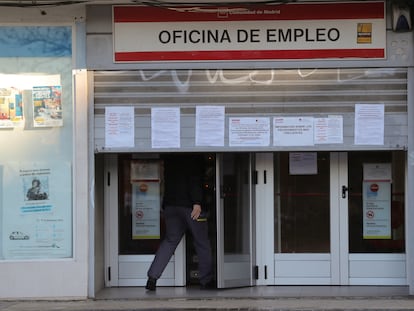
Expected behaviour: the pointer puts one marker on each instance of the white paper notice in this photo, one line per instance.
(293, 131)
(210, 126)
(249, 131)
(328, 130)
(377, 210)
(146, 210)
(165, 127)
(119, 127)
(369, 124)
(303, 163)
(376, 199)
(377, 172)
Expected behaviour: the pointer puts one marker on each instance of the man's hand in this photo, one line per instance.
(195, 213)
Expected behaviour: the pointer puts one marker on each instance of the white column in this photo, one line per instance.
(409, 234)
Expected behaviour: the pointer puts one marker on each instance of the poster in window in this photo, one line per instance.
(37, 210)
(376, 199)
(47, 106)
(146, 199)
(146, 205)
(11, 108)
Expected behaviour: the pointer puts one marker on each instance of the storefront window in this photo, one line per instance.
(36, 139)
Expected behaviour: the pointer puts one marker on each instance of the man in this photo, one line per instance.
(183, 192)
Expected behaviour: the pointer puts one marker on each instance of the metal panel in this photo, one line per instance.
(268, 92)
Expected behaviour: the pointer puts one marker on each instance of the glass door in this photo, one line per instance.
(134, 224)
(376, 215)
(339, 218)
(234, 220)
(309, 235)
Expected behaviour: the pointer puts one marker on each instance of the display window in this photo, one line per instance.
(36, 139)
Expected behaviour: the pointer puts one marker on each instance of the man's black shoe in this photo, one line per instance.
(209, 285)
(151, 284)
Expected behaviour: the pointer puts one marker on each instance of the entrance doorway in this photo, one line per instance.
(285, 218)
(135, 224)
(228, 197)
(322, 233)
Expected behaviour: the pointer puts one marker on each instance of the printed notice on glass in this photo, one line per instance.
(249, 131)
(165, 127)
(377, 172)
(369, 124)
(377, 210)
(328, 130)
(376, 200)
(210, 126)
(293, 131)
(119, 127)
(145, 170)
(145, 210)
(303, 163)
(37, 219)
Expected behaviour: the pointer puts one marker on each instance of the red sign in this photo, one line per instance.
(374, 187)
(294, 31)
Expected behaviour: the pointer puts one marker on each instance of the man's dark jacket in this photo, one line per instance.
(182, 180)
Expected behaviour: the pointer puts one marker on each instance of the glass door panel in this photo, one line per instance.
(393, 218)
(130, 241)
(139, 235)
(302, 204)
(234, 243)
(376, 192)
(339, 218)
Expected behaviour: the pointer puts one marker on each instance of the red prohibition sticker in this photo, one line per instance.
(143, 187)
(374, 187)
(139, 214)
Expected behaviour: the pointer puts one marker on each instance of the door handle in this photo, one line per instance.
(344, 191)
(222, 193)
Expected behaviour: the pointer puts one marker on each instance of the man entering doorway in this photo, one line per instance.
(182, 203)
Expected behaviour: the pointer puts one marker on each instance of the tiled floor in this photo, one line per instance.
(254, 292)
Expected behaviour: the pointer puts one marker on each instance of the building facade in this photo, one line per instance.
(302, 113)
